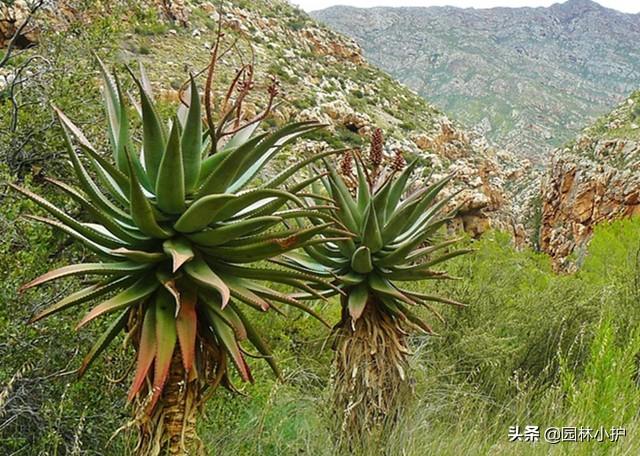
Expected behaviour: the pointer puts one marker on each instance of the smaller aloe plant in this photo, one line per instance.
(179, 230)
(394, 240)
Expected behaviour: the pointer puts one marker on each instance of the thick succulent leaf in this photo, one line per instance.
(192, 140)
(167, 280)
(305, 262)
(357, 301)
(114, 112)
(211, 162)
(274, 206)
(415, 275)
(116, 229)
(228, 315)
(292, 170)
(227, 339)
(221, 177)
(123, 138)
(165, 342)
(221, 234)
(300, 285)
(180, 251)
(240, 292)
(391, 307)
(265, 249)
(314, 214)
(202, 212)
(170, 184)
(339, 189)
(364, 193)
(137, 292)
(249, 201)
(398, 188)
(141, 210)
(153, 134)
(380, 200)
(286, 299)
(117, 180)
(140, 256)
(146, 350)
(89, 233)
(267, 149)
(383, 287)
(430, 263)
(429, 250)
(344, 214)
(258, 342)
(86, 294)
(116, 187)
(428, 216)
(371, 234)
(361, 260)
(425, 209)
(103, 341)
(241, 137)
(120, 268)
(432, 298)
(397, 221)
(402, 251)
(273, 275)
(186, 327)
(324, 257)
(351, 278)
(93, 246)
(202, 274)
(144, 80)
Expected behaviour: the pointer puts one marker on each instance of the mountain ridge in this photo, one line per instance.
(529, 78)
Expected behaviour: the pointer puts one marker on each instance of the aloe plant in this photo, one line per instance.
(178, 230)
(394, 223)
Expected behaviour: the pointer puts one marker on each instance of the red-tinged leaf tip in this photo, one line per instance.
(165, 343)
(186, 327)
(243, 367)
(248, 371)
(146, 352)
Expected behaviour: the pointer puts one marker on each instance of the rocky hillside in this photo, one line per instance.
(595, 178)
(323, 76)
(529, 78)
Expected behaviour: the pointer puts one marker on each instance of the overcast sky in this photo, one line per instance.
(628, 6)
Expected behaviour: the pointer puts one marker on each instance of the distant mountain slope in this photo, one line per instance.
(593, 179)
(529, 77)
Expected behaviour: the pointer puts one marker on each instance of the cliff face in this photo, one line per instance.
(595, 179)
(529, 78)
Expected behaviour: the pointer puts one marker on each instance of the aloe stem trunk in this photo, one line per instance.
(171, 430)
(370, 375)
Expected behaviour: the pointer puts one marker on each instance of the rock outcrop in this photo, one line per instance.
(12, 17)
(593, 180)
